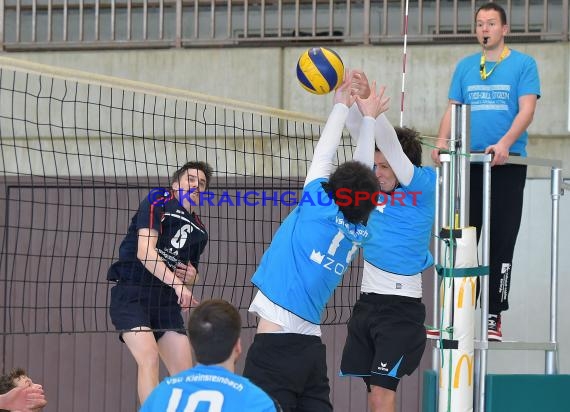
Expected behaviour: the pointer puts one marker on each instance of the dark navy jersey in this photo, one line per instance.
(181, 239)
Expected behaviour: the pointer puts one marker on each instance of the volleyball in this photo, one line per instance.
(320, 70)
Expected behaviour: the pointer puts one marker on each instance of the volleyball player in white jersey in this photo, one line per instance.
(386, 333)
(306, 260)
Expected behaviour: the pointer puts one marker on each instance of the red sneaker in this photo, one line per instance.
(494, 328)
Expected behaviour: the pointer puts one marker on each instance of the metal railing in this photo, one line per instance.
(459, 133)
(84, 24)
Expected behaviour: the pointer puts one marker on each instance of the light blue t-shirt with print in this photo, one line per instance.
(308, 255)
(402, 225)
(495, 101)
(206, 388)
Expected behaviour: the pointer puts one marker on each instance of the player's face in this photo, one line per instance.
(23, 381)
(489, 26)
(192, 180)
(384, 173)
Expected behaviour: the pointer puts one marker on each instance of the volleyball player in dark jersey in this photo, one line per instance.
(158, 261)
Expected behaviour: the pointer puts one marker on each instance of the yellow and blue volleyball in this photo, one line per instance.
(320, 70)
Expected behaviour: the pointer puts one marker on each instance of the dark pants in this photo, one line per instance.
(507, 190)
(292, 369)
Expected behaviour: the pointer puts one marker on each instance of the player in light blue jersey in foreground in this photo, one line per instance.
(306, 260)
(211, 386)
(386, 333)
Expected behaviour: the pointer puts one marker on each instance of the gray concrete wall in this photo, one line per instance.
(267, 76)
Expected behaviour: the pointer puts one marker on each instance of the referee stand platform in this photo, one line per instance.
(548, 392)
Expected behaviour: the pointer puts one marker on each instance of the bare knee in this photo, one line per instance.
(381, 399)
(144, 349)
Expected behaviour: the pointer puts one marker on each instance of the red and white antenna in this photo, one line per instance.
(404, 64)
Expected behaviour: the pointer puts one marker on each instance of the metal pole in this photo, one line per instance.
(436, 258)
(551, 367)
(481, 370)
(464, 166)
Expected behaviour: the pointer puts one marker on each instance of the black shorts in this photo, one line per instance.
(386, 339)
(292, 369)
(155, 307)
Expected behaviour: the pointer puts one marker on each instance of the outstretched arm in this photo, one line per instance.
(369, 108)
(360, 87)
(388, 143)
(384, 133)
(322, 163)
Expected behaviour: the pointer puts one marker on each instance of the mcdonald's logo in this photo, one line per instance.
(464, 281)
(457, 375)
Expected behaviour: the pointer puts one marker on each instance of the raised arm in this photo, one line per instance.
(369, 108)
(360, 87)
(325, 150)
(384, 134)
(388, 143)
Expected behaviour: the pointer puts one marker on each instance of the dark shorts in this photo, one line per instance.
(292, 369)
(155, 307)
(386, 339)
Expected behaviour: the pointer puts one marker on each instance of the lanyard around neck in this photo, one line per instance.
(482, 69)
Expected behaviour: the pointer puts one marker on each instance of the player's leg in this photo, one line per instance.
(399, 339)
(143, 347)
(129, 311)
(173, 343)
(316, 394)
(277, 363)
(175, 352)
(506, 205)
(381, 399)
(358, 350)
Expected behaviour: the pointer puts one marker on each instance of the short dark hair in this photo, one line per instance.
(357, 178)
(214, 327)
(496, 7)
(203, 166)
(7, 382)
(410, 141)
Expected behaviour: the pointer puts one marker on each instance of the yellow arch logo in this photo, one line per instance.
(464, 281)
(457, 375)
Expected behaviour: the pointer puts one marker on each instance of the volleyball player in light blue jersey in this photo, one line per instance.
(306, 260)
(386, 333)
(214, 330)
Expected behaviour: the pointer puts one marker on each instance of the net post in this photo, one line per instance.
(551, 361)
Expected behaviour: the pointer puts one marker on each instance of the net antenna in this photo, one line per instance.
(404, 58)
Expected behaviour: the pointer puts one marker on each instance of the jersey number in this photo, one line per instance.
(180, 238)
(335, 243)
(215, 399)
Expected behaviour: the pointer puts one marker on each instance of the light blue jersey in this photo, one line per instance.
(310, 252)
(207, 388)
(401, 226)
(495, 101)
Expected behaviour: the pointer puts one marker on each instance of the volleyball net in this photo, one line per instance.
(79, 151)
